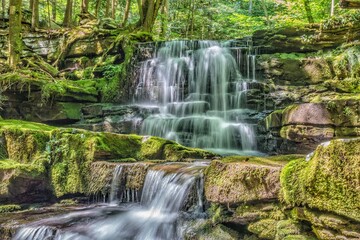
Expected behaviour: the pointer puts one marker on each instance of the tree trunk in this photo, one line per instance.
(351, 4)
(107, 9)
(308, 11)
(68, 14)
(332, 8)
(35, 14)
(53, 10)
(3, 11)
(127, 11)
(148, 10)
(113, 9)
(192, 18)
(97, 8)
(250, 6)
(49, 14)
(164, 18)
(265, 12)
(84, 7)
(15, 41)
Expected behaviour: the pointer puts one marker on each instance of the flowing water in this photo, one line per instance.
(166, 190)
(200, 88)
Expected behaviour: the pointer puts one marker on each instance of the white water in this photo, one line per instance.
(115, 184)
(164, 194)
(198, 85)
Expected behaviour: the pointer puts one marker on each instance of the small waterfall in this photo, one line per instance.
(166, 190)
(198, 86)
(30, 233)
(115, 184)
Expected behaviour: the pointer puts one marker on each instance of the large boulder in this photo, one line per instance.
(67, 155)
(328, 181)
(22, 183)
(239, 180)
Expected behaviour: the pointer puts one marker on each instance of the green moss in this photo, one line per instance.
(348, 85)
(157, 148)
(71, 154)
(153, 148)
(265, 229)
(279, 160)
(23, 125)
(25, 142)
(9, 208)
(287, 228)
(82, 90)
(328, 181)
(118, 146)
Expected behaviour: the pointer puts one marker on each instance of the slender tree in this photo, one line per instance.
(164, 18)
(84, 7)
(15, 41)
(250, 6)
(148, 10)
(107, 9)
(308, 11)
(68, 14)
(34, 14)
(113, 9)
(3, 6)
(332, 8)
(53, 10)
(97, 8)
(126, 13)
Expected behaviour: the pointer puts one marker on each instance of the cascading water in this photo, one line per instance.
(201, 93)
(115, 184)
(165, 191)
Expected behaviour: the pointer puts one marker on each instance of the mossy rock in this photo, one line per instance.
(242, 179)
(219, 232)
(25, 142)
(23, 182)
(9, 208)
(287, 228)
(328, 181)
(155, 148)
(66, 155)
(265, 229)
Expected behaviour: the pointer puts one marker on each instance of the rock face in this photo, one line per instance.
(310, 39)
(328, 181)
(123, 119)
(39, 162)
(23, 184)
(312, 99)
(312, 198)
(243, 180)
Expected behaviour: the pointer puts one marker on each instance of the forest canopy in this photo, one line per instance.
(189, 19)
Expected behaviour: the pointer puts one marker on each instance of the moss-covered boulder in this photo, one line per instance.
(21, 183)
(265, 229)
(329, 181)
(235, 180)
(65, 156)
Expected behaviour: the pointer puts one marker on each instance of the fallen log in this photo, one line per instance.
(350, 4)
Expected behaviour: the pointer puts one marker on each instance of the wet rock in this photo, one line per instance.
(123, 119)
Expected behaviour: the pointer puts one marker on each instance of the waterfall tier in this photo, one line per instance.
(200, 88)
(166, 190)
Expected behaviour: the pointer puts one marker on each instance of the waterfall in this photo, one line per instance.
(198, 85)
(115, 184)
(166, 190)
